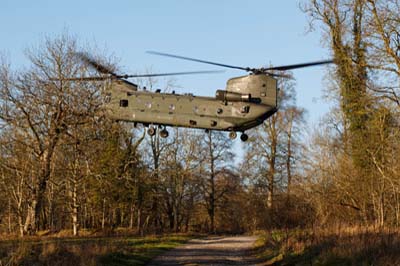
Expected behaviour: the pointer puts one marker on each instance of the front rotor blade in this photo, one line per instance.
(96, 65)
(137, 75)
(169, 74)
(82, 79)
(199, 60)
(288, 67)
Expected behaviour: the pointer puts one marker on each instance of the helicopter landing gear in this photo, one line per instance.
(244, 137)
(232, 135)
(164, 133)
(151, 131)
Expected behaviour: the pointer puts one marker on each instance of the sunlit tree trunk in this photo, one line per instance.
(74, 213)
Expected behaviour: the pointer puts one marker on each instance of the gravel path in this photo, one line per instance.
(213, 251)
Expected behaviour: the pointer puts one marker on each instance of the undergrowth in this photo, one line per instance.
(333, 246)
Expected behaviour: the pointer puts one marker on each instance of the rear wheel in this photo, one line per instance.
(164, 133)
(244, 137)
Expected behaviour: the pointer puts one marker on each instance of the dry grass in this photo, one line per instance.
(333, 246)
(85, 251)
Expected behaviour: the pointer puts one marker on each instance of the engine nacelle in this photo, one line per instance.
(232, 96)
(261, 87)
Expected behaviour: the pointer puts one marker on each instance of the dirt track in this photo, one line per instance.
(214, 251)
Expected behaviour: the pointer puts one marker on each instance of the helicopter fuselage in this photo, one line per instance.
(246, 103)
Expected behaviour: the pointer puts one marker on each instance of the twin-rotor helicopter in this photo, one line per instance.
(246, 102)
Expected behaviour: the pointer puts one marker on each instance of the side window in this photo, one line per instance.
(107, 98)
(123, 103)
(245, 109)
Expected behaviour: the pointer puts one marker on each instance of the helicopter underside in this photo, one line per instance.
(202, 123)
(186, 111)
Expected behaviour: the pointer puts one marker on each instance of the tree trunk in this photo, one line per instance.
(212, 206)
(176, 217)
(30, 224)
(85, 215)
(9, 216)
(20, 225)
(289, 157)
(131, 215)
(74, 212)
(39, 188)
(139, 221)
(271, 175)
(103, 216)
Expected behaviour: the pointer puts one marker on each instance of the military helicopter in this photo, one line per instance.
(245, 103)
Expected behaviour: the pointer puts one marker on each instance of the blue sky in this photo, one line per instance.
(245, 33)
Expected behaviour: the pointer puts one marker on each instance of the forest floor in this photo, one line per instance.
(323, 246)
(214, 251)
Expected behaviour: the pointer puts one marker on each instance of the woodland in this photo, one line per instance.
(65, 167)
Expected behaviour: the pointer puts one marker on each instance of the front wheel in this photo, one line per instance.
(232, 135)
(151, 131)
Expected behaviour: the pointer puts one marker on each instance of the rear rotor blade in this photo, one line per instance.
(199, 60)
(288, 67)
(287, 76)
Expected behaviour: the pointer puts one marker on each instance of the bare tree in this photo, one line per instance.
(217, 151)
(40, 110)
(272, 142)
(179, 162)
(294, 120)
(384, 42)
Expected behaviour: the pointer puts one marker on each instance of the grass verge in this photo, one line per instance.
(118, 251)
